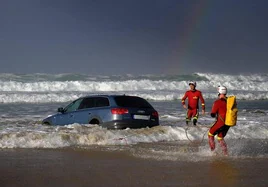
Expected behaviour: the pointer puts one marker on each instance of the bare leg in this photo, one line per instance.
(223, 147)
(211, 142)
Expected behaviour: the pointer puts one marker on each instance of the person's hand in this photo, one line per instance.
(184, 106)
(203, 112)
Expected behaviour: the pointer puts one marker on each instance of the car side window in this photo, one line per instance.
(87, 103)
(101, 102)
(73, 106)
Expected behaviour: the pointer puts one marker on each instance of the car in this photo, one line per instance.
(108, 111)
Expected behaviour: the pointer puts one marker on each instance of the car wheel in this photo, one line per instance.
(94, 121)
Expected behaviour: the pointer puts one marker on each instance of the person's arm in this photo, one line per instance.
(214, 110)
(202, 103)
(183, 100)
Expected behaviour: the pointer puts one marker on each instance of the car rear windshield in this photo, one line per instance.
(131, 101)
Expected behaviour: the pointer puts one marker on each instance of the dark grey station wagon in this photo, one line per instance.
(109, 111)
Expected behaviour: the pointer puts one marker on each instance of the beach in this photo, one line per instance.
(76, 77)
(97, 167)
(171, 154)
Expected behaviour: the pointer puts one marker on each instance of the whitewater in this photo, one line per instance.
(47, 88)
(26, 99)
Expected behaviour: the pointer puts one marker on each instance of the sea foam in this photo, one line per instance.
(36, 88)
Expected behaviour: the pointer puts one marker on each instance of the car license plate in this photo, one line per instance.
(144, 117)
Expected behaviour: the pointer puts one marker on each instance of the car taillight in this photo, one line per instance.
(155, 114)
(119, 111)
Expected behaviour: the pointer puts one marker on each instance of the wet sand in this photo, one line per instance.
(97, 167)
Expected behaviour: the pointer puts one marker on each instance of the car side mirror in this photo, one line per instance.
(61, 110)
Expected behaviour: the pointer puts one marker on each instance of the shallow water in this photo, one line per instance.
(20, 127)
(171, 154)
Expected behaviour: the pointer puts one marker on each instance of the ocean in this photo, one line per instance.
(26, 99)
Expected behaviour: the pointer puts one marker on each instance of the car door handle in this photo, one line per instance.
(71, 115)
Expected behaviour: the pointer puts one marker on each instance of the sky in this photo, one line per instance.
(108, 37)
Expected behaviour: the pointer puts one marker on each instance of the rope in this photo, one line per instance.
(121, 139)
(195, 142)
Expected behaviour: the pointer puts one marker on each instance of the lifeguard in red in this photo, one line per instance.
(219, 128)
(218, 110)
(193, 96)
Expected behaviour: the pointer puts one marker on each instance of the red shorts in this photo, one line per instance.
(219, 128)
(192, 113)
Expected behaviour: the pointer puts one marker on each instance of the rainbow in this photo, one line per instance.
(188, 34)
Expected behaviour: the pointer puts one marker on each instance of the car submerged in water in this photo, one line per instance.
(108, 111)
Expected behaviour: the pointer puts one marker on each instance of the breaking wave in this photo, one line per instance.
(38, 88)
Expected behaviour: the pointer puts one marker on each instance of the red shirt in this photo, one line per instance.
(193, 99)
(219, 108)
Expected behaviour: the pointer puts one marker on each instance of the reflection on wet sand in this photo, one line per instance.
(224, 172)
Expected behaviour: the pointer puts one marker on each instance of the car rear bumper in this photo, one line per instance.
(129, 124)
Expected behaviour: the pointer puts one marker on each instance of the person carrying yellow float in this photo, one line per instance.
(225, 110)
